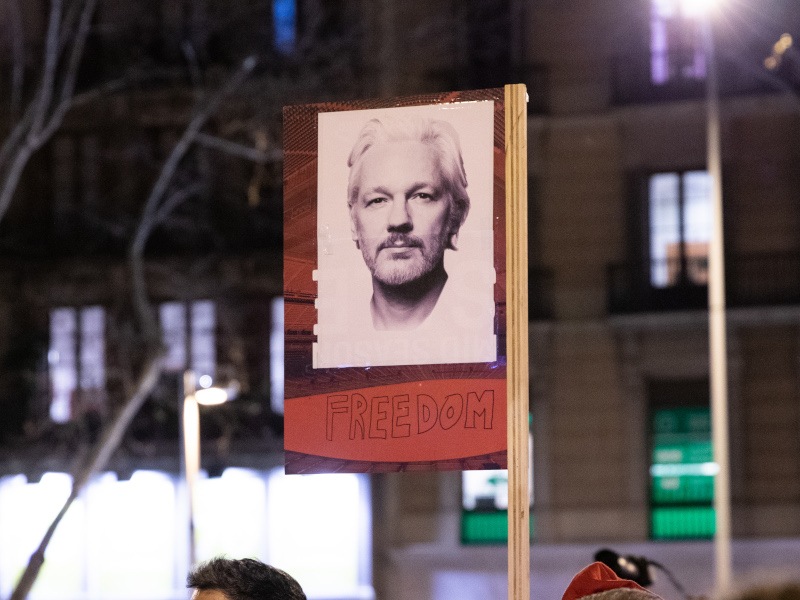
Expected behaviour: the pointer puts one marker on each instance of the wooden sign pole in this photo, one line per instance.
(516, 120)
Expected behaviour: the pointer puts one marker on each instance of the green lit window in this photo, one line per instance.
(484, 501)
(681, 474)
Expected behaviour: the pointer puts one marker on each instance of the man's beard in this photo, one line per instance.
(402, 271)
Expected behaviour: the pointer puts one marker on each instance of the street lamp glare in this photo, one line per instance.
(211, 396)
(698, 8)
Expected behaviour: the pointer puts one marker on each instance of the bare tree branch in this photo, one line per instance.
(113, 435)
(15, 137)
(12, 176)
(50, 61)
(152, 216)
(41, 120)
(105, 448)
(157, 208)
(18, 53)
(74, 9)
(194, 67)
(236, 149)
(36, 561)
(119, 84)
(151, 213)
(115, 85)
(125, 359)
(180, 149)
(71, 76)
(175, 200)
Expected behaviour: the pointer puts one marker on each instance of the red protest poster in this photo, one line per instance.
(395, 284)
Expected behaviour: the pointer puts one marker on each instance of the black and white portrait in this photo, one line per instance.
(405, 243)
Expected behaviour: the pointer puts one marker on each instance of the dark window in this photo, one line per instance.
(488, 46)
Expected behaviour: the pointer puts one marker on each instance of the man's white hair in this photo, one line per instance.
(443, 139)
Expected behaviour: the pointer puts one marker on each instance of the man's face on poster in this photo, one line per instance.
(401, 216)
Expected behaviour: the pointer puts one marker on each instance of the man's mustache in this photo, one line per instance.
(400, 240)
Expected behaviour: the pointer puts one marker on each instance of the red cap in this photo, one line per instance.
(595, 578)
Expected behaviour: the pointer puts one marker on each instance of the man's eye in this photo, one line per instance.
(377, 200)
(423, 196)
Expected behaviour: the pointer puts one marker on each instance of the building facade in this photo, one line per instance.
(619, 230)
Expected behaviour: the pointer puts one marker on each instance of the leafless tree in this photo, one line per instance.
(54, 96)
(249, 130)
(157, 208)
(65, 40)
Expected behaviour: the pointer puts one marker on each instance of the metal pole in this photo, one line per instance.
(717, 323)
(190, 428)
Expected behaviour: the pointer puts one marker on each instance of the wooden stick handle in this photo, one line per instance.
(516, 140)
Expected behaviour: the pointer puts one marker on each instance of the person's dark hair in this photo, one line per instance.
(245, 579)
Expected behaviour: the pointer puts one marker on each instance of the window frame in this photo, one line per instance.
(683, 58)
(87, 380)
(683, 274)
(189, 356)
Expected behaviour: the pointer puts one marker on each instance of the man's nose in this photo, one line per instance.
(399, 217)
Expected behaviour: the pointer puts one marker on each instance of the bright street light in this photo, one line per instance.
(210, 392)
(698, 8)
(193, 396)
